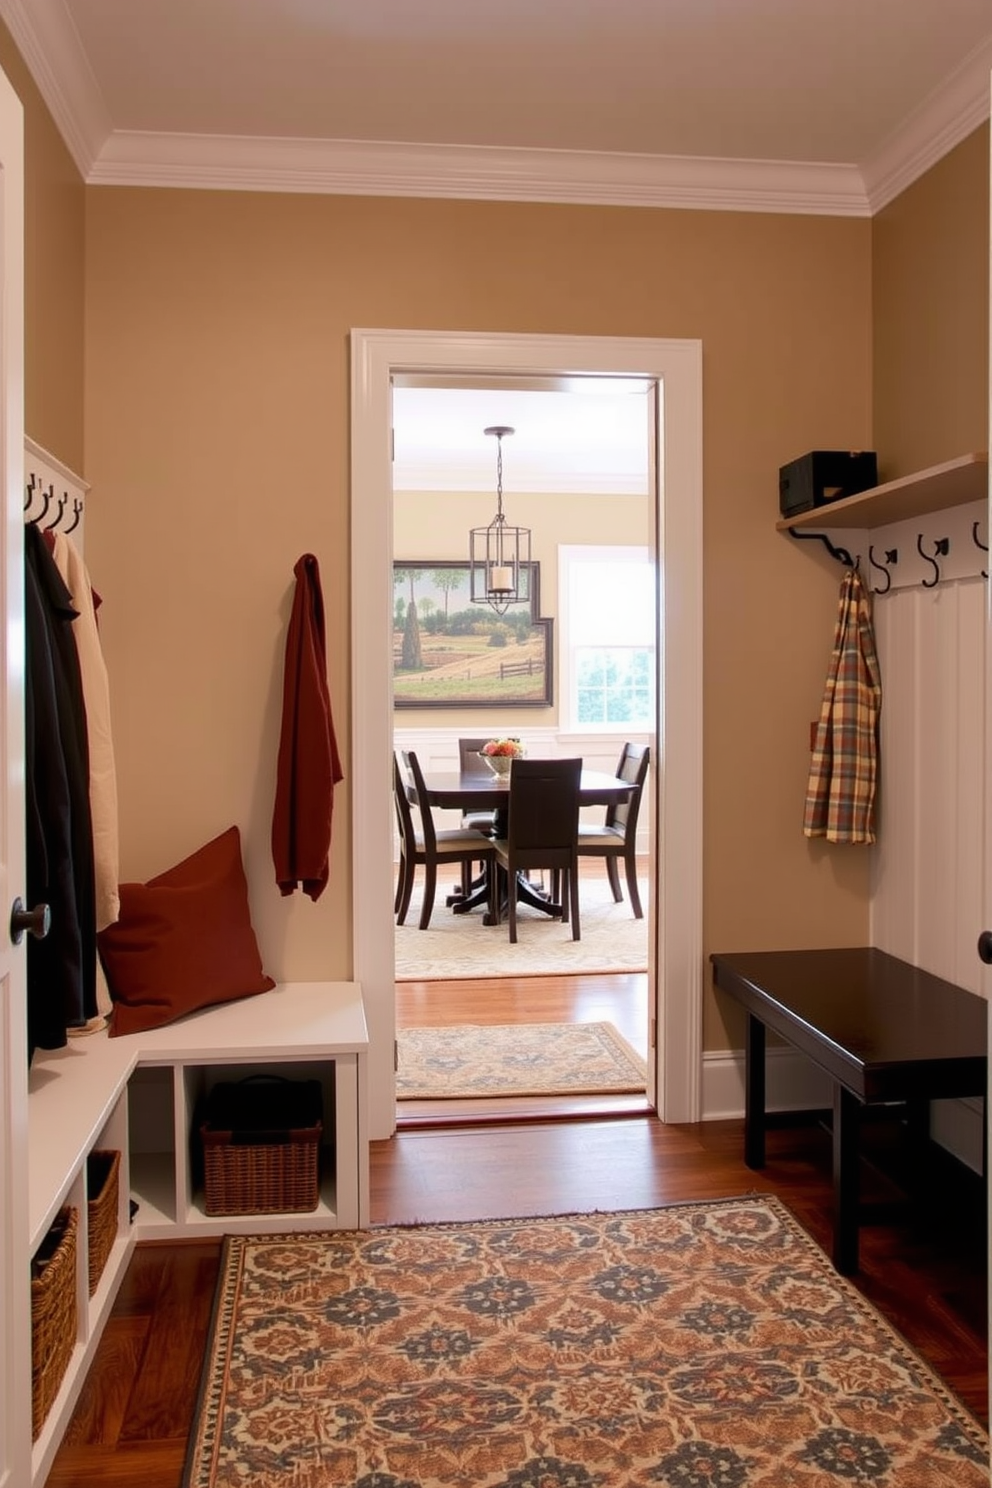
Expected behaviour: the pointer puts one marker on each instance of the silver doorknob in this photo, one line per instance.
(36, 922)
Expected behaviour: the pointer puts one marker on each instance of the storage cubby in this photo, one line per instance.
(200, 1080)
(139, 1096)
(151, 1099)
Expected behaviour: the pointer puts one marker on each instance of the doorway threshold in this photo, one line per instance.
(431, 1115)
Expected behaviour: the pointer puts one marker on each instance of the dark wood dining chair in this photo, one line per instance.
(542, 832)
(616, 838)
(427, 847)
(469, 763)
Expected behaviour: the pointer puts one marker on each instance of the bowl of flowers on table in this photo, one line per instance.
(499, 755)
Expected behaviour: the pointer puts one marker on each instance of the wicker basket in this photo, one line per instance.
(102, 1182)
(261, 1147)
(53, 1313)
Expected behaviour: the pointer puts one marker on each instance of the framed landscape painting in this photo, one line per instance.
(451, 653)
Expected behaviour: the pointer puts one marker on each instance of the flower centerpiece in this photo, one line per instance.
(499, 754)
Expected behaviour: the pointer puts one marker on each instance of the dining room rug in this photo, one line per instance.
(702, 1345)
(479, 1061)
(457, 947)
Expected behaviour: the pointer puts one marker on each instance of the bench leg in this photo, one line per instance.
(847, 1184)
(754, 1093)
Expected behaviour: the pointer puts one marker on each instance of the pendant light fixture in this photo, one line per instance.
(499, 555)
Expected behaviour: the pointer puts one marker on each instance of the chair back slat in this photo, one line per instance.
(427, 829)
(544, 804)
(633, 768)
(468, 755)
(404, 816)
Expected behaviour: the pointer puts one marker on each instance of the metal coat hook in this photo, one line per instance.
(29, 492)
(891, 556)
(941, 548)
(77, 512)
(46, 497)
(841, 554)
(984, 546)
(58, 515)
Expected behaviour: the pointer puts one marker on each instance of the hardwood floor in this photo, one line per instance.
(924, 1269)
(591, 998)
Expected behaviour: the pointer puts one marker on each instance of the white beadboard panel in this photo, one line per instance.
(895, 853)
(927, 878)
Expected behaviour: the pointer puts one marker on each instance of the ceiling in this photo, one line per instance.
(769, 105)
(589, 437)
(809, 106)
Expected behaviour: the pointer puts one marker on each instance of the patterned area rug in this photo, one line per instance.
(525, 1059)
(461, 946)
(706, 1345)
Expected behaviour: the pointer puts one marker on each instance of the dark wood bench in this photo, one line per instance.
(880, 1028)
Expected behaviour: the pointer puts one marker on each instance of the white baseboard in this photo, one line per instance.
(793, 1083)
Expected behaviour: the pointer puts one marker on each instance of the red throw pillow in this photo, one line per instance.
(184, 940)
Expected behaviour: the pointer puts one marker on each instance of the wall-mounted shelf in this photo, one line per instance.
(954, 483)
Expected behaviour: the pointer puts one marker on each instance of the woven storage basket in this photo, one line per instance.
(261, 1147)
(53, 1313)
(102, 1182)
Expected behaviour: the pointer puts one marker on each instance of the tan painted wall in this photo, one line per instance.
(217, 443)
(930, 256)
(54, 224)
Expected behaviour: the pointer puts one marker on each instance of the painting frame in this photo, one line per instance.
(481, 659)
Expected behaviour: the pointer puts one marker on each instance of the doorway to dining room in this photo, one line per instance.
(674, 367)
(579, 661)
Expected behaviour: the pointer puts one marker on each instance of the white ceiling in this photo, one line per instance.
(829, 106)
(588, 438)
(778, 105)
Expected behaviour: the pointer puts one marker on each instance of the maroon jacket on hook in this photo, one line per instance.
(308, 768)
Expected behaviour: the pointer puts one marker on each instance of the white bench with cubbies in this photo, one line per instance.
(139, 1094)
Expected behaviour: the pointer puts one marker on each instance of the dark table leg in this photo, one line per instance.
(460, 903)
(754, 1093)
(847, 1185)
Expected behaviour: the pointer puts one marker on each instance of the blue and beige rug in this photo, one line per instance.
(707, 1345)
(479, 1061)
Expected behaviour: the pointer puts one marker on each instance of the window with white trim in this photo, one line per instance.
(607, 649)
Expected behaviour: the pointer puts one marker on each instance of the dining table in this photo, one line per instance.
(480, 790)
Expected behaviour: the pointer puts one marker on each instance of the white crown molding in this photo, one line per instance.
(48, 42)
(366, 168)
(942, 121)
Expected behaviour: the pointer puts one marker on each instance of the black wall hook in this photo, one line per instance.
(46, 497)
(941, 548)
(58, 515)
(891, 556)
(841, 554)
(978, 544)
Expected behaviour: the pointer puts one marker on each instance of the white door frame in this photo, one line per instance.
(15, 1305)
(376, 356)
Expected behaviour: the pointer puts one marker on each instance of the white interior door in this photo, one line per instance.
(15, 1320)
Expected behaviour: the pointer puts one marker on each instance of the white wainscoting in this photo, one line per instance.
(928, 883)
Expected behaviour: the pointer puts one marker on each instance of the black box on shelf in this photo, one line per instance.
(823, 476)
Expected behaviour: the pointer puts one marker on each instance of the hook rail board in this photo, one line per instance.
(54, 495)
(927, 551)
